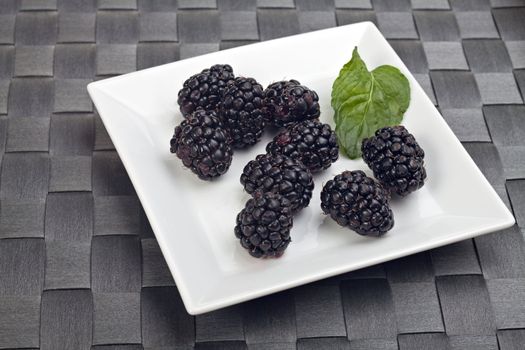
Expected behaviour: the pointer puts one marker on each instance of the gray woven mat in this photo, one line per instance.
(79, 265)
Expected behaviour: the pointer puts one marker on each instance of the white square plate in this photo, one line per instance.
(194, 220)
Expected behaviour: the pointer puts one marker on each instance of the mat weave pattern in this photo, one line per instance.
(79, 265)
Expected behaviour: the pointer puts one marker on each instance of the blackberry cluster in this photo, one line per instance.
(310, 141)
(356, 201)
(205, 89)
(241, 111)
(279, 174)
(263, 226)
(396, 159)
(203, 144)
(288, 102)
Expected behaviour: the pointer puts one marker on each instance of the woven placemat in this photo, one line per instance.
(79, 265)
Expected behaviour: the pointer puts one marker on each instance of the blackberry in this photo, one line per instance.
(310, 141)
(358, 202)
(279, 174)
(396, 159)
(205, 89)
(203, 144)
(264, 225)
(287, 102)
(242, 111)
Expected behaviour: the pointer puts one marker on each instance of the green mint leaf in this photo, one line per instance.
(365, 101)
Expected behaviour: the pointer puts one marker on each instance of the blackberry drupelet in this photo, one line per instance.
(396, 159)
(279, 174)
(203, 144)
(264, 225)
(288, 102)
(358, 202)
(310, 141)
(241, 111)
(205, 89)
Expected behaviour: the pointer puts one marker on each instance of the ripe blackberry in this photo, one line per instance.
(264, 225)
(287, 102)
(356, 201)
(203, 144)
(279, 174)
(310, 141)
(396, 159)
(205, 89)
(242, 111)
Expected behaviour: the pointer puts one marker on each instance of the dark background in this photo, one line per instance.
(79, 266)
